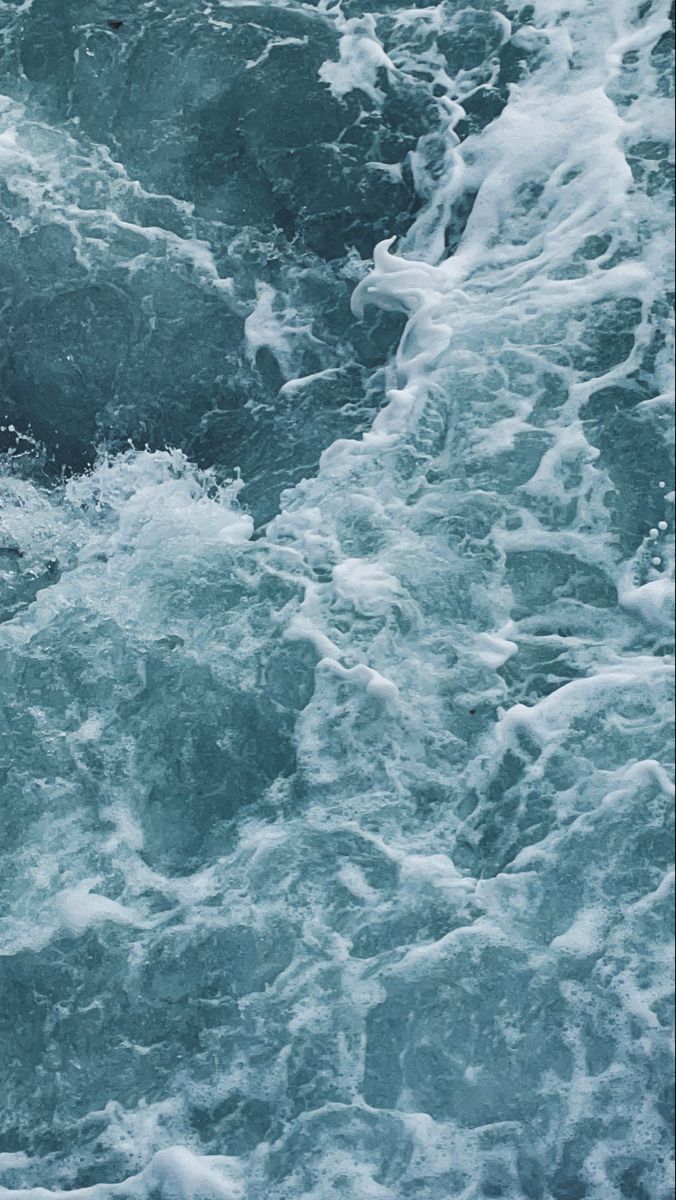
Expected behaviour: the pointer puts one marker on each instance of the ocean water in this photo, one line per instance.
(336, 530)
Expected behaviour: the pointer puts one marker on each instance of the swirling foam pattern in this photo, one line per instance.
(335, 537)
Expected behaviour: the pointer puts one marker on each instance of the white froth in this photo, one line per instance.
(361, 57)
(366, 586)
(79, 908)
(408, 599)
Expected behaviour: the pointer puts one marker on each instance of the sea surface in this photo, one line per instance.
(336, 525)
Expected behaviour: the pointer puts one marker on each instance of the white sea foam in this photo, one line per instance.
(423, 954)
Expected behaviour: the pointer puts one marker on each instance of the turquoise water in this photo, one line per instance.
(336, 524)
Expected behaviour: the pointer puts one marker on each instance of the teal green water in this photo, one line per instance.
(336, 539)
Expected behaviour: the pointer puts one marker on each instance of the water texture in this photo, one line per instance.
(336, 523)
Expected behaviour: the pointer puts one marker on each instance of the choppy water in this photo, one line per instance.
(334, 582)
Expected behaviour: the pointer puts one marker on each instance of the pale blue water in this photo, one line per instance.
(336, 523)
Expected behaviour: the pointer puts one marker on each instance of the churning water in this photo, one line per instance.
(336, 522)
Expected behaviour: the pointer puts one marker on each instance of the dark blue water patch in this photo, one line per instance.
(282, 176)
(231, 115)
(158, 359)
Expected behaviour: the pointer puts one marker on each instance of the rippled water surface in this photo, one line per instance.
(336, 522)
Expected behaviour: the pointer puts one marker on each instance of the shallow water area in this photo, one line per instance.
(336, 600)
